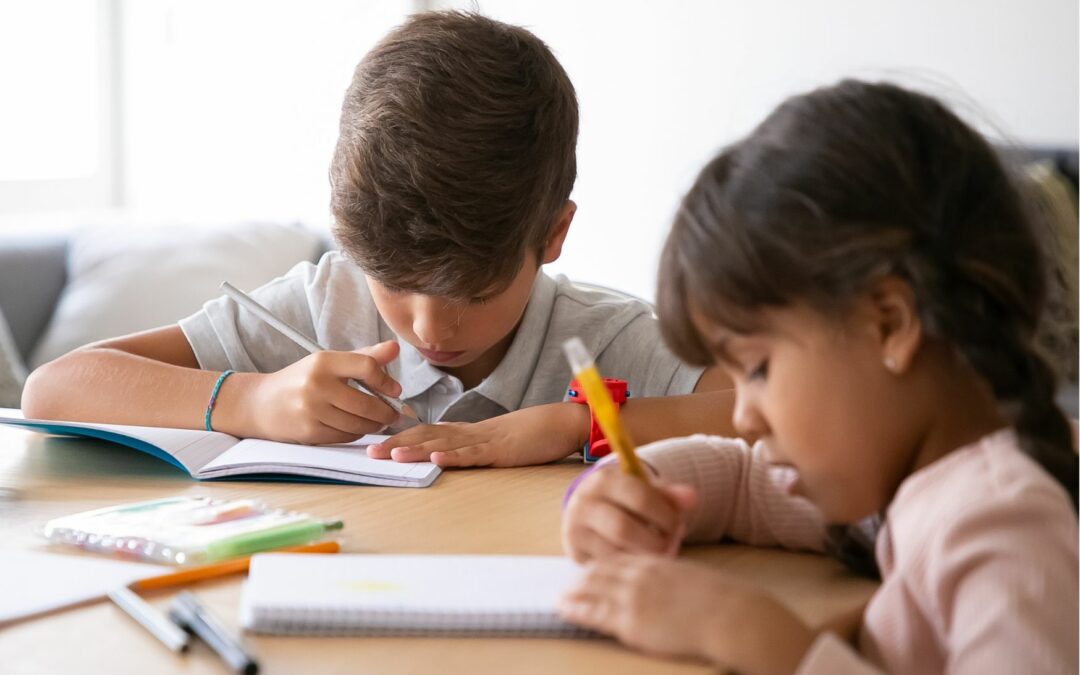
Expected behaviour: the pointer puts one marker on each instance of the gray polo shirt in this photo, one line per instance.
(331, 302)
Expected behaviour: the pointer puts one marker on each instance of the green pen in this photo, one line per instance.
(276, 537)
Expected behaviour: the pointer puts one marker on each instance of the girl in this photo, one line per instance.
(866, 238)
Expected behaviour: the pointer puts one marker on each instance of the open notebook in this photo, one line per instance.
(211, 454)
(291, 594)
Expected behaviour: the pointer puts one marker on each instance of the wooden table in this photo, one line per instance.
(488, 511)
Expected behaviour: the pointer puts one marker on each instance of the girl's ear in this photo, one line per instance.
(553, 245)
(897, 325)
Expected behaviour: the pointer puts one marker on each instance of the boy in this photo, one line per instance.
(450, 187)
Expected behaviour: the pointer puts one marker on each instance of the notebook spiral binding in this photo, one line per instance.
(383, 623)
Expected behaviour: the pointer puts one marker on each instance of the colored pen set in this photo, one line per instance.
(186, 530)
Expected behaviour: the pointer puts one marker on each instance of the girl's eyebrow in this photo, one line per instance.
(721, 348)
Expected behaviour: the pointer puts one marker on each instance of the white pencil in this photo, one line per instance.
(245, 301)
(157, 624)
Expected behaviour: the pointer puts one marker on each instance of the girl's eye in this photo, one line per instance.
(478, 301)
(759, 372)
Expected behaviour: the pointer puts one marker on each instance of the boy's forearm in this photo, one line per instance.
(117, 387)
(654, 419)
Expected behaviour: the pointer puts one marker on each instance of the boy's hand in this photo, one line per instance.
(676, 608)
(536, 435)
(613, 512)
(311, 401)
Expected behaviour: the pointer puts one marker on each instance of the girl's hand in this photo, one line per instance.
(311, 401)
(536, 435)
(675, 608)
(613, 512)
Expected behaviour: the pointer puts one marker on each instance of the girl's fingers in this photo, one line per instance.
(626, 531)
(644, 501)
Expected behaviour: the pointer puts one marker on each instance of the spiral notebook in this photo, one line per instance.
(288, 594)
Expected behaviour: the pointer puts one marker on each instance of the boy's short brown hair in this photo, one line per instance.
(456, 153)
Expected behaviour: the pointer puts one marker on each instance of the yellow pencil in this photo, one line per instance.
(221, 569)
(603, 408)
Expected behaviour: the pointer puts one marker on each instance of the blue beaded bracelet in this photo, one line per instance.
(213, 398)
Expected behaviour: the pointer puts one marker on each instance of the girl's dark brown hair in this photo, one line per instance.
(848, 183)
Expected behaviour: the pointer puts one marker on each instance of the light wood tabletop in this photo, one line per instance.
(485, 511)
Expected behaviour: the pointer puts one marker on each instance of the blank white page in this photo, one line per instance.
(33, 582)
(348, 457)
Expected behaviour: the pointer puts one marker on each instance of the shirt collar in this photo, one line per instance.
(506, 385)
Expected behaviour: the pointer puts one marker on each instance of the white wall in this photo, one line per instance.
(663, 85)
(230, 108)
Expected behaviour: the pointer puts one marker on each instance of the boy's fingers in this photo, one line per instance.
(328, 435)
(408, 437)
(348, 423)
(470, 455)
(361, 367)
(383, 353)
(363, 406)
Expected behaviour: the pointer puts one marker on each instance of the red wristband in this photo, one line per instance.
(598, 446)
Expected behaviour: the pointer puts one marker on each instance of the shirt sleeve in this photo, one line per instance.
(638, 355)
(223, 335)
(740, 495)
(829, 655)
(1002, 580)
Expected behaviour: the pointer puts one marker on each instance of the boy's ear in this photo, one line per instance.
(897, 325)
(554, 243)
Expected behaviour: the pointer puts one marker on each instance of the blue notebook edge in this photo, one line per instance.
(60, 429)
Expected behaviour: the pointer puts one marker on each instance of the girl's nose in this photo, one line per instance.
(747, 419)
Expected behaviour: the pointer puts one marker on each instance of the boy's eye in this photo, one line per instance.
(759, 372)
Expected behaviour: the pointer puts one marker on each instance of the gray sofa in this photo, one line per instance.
(62, 288)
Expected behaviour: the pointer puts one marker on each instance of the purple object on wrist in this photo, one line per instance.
(581, 476)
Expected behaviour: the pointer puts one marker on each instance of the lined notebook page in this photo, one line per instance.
(350, 459)
(407, 595)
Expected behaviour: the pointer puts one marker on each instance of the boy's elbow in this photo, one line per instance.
(35, 400)
(42, 394)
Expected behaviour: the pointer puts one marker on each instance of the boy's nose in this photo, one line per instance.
(434, 322)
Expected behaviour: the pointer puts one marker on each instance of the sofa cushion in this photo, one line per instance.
(31, 278)
(124, 279)
(12, 370)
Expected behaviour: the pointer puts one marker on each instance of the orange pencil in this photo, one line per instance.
(221, 569)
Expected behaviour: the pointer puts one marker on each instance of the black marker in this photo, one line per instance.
(186, 611)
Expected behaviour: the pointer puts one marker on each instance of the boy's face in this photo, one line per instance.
(453, 334)
(468, 338)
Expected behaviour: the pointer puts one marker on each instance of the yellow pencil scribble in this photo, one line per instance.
(371, 585)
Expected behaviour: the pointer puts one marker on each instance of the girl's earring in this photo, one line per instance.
(890, 364)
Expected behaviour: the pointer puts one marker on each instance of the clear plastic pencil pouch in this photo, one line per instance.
(186, 530)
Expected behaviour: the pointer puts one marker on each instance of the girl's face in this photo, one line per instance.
(816, 391)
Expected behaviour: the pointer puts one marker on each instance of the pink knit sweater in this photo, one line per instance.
(978, 555)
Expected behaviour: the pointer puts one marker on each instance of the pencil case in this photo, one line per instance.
(185, 530)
